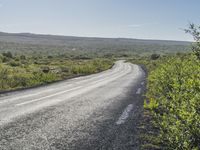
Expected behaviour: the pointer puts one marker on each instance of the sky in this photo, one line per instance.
(140, 19)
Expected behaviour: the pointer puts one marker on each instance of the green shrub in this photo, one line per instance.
(174, 99)
(23, 57)
(27, 73)
(5, 59)
(14, 63)
(7, 54)
(155, 56)
(45, 69)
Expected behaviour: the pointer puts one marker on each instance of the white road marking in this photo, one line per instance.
(125, 114)
(24, 96)
(29, 95)
(139, 91)
(35, 100)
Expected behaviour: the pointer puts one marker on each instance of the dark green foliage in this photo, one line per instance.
(13, 63)
(155, 56)
(23, 57)
(7, 54)
(45, 69)
(5, 59)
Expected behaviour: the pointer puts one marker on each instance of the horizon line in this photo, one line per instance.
(101, 37)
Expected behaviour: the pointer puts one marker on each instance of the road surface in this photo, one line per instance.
(98, 111)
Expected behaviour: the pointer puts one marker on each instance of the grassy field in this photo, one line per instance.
(20, 71)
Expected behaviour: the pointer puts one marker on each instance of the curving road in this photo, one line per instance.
(98, 111)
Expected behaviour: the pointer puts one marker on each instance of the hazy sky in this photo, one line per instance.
(146, 19)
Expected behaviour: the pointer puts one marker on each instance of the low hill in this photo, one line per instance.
(27, 42)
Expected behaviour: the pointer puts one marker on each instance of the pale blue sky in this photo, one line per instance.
(144, 19)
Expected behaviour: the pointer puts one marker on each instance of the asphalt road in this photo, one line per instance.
(99, 111)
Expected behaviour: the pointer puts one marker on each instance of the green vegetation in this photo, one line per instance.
(83, 47)
(27, 59)
(175, 102)
(22, 71)
(171, 118)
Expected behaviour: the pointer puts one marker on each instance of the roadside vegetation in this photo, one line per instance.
(28, 60)
(21, 71)
(174, 100)
(171, 118)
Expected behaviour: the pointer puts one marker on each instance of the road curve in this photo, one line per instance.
(91, 112)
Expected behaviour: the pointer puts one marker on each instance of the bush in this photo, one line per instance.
(45, 69)
(14, 63)
(174, 99)
(5, 59)
(7, 54)
(23, 57)
(155, 56)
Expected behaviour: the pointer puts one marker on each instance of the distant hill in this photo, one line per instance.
(64, 40)
(22, 41)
